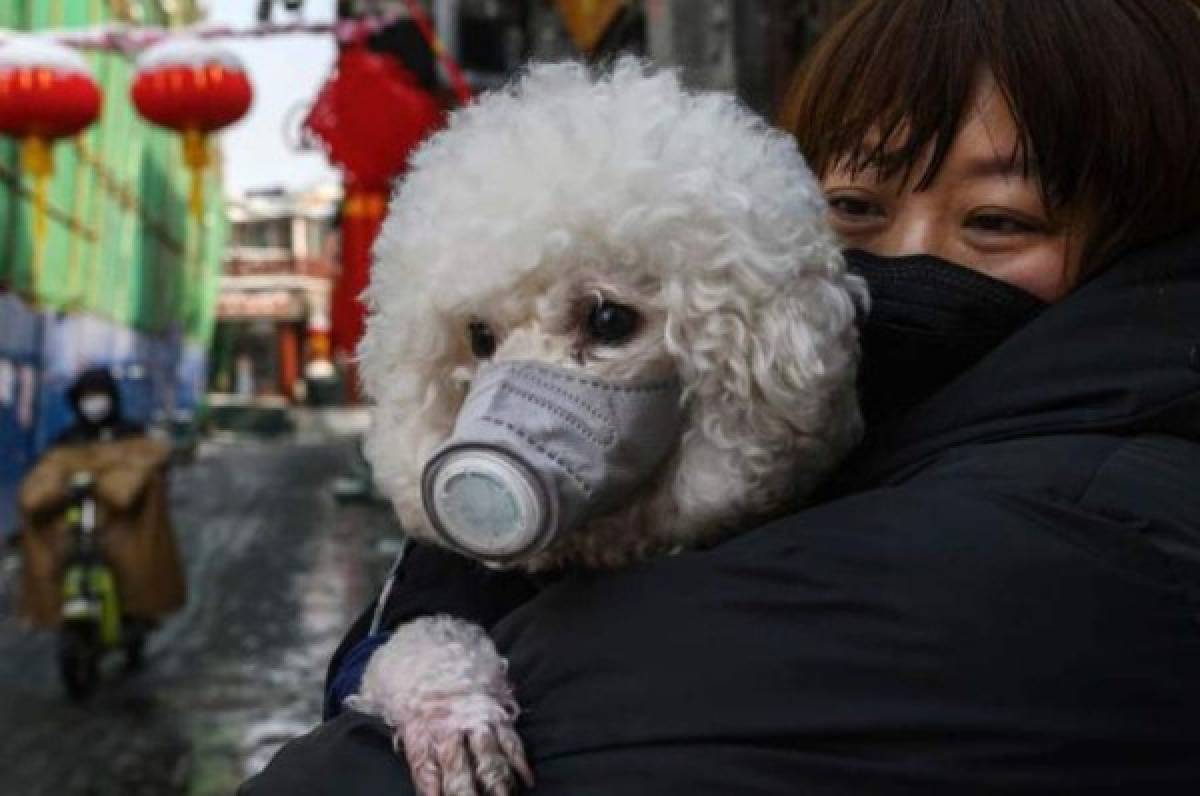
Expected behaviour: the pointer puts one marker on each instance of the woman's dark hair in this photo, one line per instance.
(1105, 93)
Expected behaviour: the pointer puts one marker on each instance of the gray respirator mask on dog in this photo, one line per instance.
(537, 451)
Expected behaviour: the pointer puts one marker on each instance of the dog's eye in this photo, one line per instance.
(483, 342)
(611, 323)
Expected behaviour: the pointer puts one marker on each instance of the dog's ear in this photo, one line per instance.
(406, 361)
(767, 351)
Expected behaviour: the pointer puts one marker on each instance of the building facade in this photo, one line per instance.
(270, 345)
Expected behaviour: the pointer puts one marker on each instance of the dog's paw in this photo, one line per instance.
(462, 746)
(441, 686)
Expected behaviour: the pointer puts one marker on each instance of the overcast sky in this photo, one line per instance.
(286, 72)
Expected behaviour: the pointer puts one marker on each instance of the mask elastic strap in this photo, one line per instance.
(386, 591)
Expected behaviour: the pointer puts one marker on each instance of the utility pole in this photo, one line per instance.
(445, 15)
(750, 47)
(695, 37)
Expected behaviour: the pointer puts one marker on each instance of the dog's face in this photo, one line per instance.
(630, 230)
(604, 324)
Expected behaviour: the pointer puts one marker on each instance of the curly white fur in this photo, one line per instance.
(624, 186)
(625, 179)
(440, 682)
(402, 677)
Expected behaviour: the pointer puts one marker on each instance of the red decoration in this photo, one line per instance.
(370, 116)
(362, 216)
(205, 97)
(46, 93)
(195, 88)
(46, 103)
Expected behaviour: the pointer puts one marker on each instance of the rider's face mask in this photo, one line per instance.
(929, 321)
(539, 450)
(95, 407)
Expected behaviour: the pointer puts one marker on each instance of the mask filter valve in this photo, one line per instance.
(473, 490)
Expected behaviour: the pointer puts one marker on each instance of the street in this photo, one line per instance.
(277, 571)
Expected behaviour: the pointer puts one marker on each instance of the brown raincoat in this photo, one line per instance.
(136, 535)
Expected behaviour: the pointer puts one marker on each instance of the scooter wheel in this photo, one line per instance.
(79, 660)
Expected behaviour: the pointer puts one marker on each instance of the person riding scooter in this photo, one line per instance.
(128, 475)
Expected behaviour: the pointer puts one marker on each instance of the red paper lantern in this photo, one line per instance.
(193, 87)
(46, 93)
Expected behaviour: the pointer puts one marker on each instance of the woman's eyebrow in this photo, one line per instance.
(998, 166)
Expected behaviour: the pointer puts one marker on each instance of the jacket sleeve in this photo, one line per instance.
(127, 469)
(430, 581)
(45, 487)
(433, 581)
(351, 755)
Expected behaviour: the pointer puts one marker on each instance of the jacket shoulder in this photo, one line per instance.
(1150, 474)
(1150, 477)
(1152, 483)
(1131, 504)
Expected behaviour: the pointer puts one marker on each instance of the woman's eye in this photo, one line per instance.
(1000, 224)
(611, 323)
(483, 342)
(855, 208)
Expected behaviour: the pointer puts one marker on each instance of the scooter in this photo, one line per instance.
(91, 609)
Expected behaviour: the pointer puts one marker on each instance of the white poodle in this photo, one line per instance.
(586, 236)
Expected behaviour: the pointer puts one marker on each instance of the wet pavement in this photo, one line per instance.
(277, 570)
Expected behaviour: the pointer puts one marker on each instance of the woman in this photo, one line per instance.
(1000, 592)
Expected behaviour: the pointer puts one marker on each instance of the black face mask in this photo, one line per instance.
(930, 320)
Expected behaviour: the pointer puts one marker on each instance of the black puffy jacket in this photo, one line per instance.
(1000, 595)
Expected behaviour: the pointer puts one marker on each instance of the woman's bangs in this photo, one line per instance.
(891, 109)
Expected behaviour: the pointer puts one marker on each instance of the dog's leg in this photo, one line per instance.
(441, 686)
